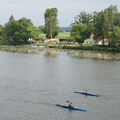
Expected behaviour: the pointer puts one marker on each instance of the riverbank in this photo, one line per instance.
(21, 48)
(82, 47)
(35, 49)
(66, 46)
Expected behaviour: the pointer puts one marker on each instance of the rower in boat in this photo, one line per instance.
(85, 91)
(70, 103)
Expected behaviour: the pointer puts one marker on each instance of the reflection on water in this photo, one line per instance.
(54, 52)
(51, 52)
(95, 55)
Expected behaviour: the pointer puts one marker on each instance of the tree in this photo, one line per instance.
(1, 32)
(83, 18)
(104, 21)
(117, 22)
(42, 29)
(51, 23)
(82, 27)
(115, 36)
(11, 19)
(34, 31)
(110, 17)
(99, 24)
(80, 32)
(26, 22)
(18, 31)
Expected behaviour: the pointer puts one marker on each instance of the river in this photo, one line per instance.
(33, 81)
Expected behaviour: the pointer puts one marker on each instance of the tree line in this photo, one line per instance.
(18, 31)
(103, 24)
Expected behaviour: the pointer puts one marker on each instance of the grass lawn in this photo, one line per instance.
(63, 35)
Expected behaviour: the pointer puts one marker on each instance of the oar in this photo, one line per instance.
(68, 101)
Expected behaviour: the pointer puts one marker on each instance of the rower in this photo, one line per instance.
(70, 103)
(85, 91)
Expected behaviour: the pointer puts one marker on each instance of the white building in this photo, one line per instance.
(90, 40)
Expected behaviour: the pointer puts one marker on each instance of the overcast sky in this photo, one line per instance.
(34, 9)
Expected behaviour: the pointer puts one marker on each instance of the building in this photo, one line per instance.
(90, 40)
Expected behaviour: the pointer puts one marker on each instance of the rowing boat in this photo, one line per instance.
(73, 108)
(86, 93)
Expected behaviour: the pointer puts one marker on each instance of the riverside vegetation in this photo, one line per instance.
(103, 25)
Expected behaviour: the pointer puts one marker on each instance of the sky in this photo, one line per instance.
(35, 9)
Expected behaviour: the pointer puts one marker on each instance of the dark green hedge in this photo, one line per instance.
(5, 42)
(94, 48)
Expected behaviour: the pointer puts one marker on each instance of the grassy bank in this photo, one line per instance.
(6, 42)
(83, 47)
(74, 46)
(88, 47)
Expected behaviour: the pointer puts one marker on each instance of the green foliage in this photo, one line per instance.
(1, 30)
(115, 36)
(51, 23)
(42, 29)
(99, 24)
(17, 31)
(83, 18)
(34, 31)
(7, 42)
(80, 32)
(104, 21)
(71, 39)
(78, 47)
(82, 27)
(26, 22)
(117, 22)
(11, 19)
(42, 35)
(110, 15)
